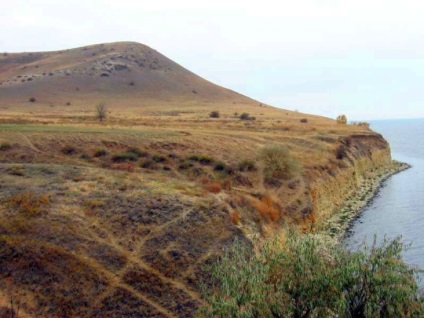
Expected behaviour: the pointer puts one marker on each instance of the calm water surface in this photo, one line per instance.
(398, 209)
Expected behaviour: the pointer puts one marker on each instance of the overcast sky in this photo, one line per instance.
(363, 58)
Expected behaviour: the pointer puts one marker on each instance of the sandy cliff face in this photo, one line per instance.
(367, 155)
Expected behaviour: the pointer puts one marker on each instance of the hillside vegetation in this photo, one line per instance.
(117, 218)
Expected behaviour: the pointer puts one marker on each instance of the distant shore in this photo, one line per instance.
(337, 227)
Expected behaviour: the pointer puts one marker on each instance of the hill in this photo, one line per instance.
(118, 218)
(124, 74)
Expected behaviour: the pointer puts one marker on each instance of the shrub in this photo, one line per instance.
(266, 209)
(148, 164)
(277, 162)
(304, 120)
(214, 114)
(184, 165)
(85, 156)
(213, 187)
(193, 157)
(159, 158)
(235, 217)
(220, 166)
(341, 119)
(5, 146)
(137, 152)
(69, 150)
(340, 152)
(32, 100)
(124, 166)
(246, 116)
(364, 124)
(101, 110)
(30, 204)
(16, 171)
(123, 157)
(247, 165)
(309, 277)
(100, 153)
(361, 124)
(205, 159)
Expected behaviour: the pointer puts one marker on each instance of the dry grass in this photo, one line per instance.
(213, 187)
(267, 209)
(29, 204)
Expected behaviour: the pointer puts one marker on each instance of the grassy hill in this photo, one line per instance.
(118, 218)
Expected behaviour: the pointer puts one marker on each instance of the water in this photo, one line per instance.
(398, 208)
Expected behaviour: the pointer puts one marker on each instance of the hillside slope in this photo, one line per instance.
(124, 73)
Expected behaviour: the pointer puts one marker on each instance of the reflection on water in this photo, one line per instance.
(398, 209)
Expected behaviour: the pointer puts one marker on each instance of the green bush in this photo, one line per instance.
(307, 277)
(277, 162)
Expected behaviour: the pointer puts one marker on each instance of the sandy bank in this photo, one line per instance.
(343, 218)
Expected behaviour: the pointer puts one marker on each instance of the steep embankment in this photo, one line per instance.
(119, 218)
(125, 219)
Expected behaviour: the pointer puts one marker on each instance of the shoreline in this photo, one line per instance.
(338, 225)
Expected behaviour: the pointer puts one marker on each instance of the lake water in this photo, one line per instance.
(398, 208)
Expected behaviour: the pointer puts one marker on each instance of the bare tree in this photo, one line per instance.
(101, 111)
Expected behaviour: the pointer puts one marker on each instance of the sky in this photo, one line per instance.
(361, 58)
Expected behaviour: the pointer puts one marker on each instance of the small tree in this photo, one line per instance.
(101, 111)
(341, 119)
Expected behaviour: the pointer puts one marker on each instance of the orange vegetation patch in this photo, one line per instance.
(213, 187)
(126, 166)
(267, 209)
(29, 203)
(235, 217)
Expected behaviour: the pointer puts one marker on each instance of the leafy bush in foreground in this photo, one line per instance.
(309, 278)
